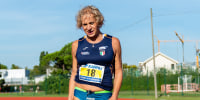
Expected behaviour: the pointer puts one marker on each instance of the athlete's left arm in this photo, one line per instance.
(118, 68)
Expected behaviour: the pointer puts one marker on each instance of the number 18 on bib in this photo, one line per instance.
(91, 73)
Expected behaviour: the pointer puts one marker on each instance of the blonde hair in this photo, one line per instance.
(89, 10)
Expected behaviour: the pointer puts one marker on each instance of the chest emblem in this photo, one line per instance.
(102, 51)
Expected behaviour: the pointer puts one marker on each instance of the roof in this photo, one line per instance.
(157, 54)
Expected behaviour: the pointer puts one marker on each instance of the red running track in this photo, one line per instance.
(46, 98)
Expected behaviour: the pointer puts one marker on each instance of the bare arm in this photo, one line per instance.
(118, 68)
(74, 70)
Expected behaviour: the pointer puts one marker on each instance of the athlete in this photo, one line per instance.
(96, 59)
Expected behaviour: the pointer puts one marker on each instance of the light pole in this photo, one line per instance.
(182, 41)
(155, 81)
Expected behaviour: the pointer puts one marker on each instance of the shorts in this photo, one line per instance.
(82, 94)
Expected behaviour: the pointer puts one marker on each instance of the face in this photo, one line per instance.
(89, 25)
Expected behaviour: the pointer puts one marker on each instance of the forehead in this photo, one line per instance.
(87, 17)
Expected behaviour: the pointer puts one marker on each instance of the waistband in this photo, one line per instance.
(88, 91)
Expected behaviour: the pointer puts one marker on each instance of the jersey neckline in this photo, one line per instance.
(93, 44)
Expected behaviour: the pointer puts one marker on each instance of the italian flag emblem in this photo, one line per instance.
(102, 52)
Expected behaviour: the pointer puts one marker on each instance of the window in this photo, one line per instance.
(172, 66)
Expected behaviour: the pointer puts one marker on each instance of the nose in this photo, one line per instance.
(88, 27)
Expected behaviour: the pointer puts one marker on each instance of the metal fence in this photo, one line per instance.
(182, 83)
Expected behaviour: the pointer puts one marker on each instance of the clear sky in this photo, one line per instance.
(28, 27)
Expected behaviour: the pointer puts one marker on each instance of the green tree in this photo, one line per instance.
(35, 71)
(3, 66)
(60, 59)
(2, 81)
(15, 67)
(125, 65)
(42, 54)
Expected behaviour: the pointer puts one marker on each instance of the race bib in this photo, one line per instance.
(91, 73)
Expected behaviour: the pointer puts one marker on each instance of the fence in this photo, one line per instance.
(182, 83)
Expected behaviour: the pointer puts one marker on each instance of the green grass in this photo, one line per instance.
(151, 96)
(122, 94)
(31, 94)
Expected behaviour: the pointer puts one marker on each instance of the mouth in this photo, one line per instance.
(90, 32)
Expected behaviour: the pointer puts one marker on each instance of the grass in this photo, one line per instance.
(31, 94)
(151, 96)
(122, 94)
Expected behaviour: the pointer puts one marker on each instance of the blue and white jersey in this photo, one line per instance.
(95, 63)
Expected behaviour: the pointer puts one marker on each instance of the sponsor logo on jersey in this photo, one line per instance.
(103, 47)
(85, 48)
(85, 53)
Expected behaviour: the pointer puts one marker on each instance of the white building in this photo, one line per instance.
(161, 61)
(14, 76)
(39, 78)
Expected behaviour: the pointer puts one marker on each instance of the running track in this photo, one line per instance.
(44, 98)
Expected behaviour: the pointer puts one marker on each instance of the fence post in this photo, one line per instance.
(132, 79)
(45, 85)
(147, 82)
(59, 84)
(182, 77)
(165, 80)
(22, 86)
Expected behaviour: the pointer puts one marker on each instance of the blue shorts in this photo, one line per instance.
(82, 94)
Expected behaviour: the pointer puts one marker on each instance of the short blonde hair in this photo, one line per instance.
(90, 10)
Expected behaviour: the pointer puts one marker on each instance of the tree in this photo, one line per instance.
(35, 71)
(42, 54)
(15, 67)
(125, 66)
(2, 81)
(43, 65)
(3, 66)
(60, 59)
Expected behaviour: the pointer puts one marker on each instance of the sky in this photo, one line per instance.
(28, 27)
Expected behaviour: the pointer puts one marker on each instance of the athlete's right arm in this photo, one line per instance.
(74, 70)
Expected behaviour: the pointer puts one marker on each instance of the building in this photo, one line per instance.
(161, 61)
(14, 76)
(39, 78)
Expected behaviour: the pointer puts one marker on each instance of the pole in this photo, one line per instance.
(197, 55)
(165, 80)
(132, 80)
(147, 82)
(197, 61)
(182, 78)
(182, 65)
(155, 81)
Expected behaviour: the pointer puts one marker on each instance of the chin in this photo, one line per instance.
(90, 35)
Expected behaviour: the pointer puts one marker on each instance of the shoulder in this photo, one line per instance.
(115, 40)
(108, 36)
(116, 45)
(74, 47)
(82, 38)
(75, 43)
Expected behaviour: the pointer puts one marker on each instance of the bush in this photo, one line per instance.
(56, 84)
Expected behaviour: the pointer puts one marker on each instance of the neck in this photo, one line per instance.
(96, 38)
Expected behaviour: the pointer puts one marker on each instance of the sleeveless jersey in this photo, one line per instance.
(95, 63)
